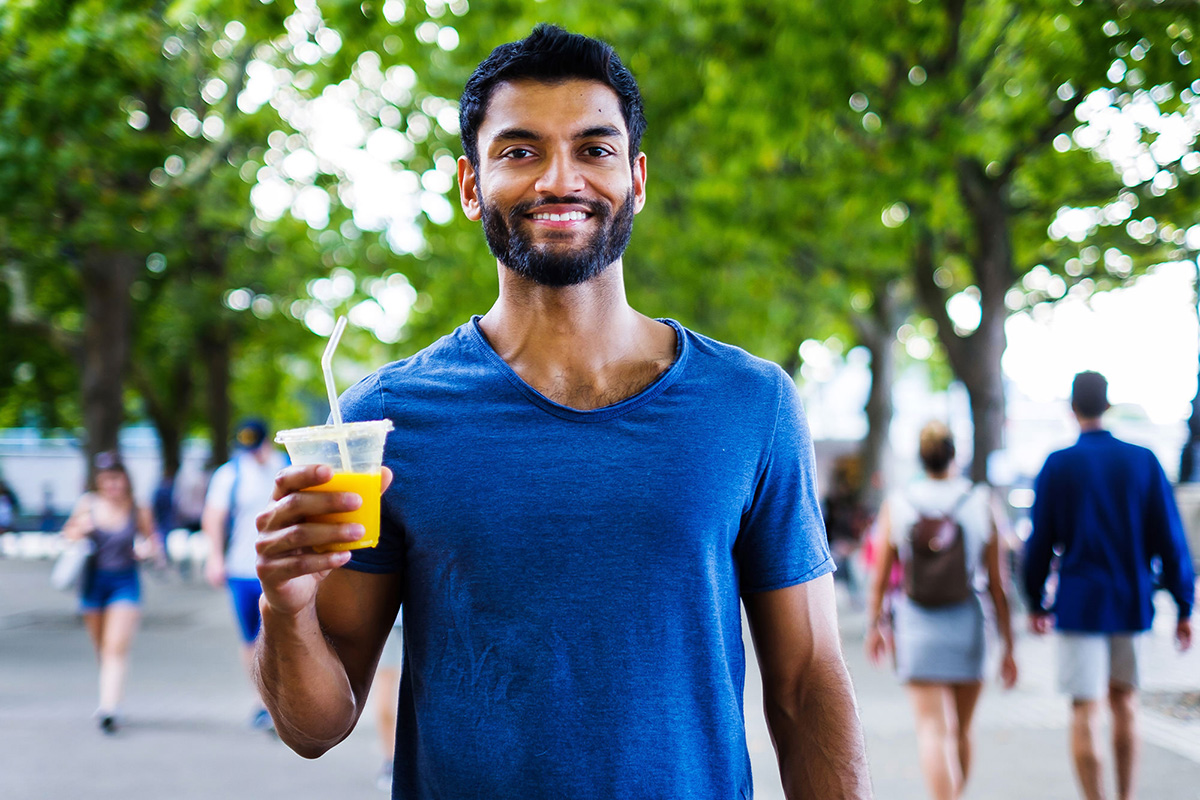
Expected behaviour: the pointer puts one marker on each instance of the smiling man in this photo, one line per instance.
(583, 498)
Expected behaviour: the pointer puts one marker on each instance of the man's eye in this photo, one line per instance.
(597, 152)
(518, 152)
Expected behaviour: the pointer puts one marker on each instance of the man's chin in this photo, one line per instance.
(559, 275)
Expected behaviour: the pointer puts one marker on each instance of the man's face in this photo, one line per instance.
(555, 189)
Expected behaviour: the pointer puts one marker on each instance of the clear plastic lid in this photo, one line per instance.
(323, 433)
(358, 445)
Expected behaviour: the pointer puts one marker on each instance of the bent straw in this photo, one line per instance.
(334, 410)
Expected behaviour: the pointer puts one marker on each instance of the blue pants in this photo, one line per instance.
(245, 593)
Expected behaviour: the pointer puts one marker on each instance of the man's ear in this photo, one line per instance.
(639, 182)
(468, 190)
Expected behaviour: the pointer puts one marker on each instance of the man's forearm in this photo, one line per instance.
(303, 684)
(819, 738)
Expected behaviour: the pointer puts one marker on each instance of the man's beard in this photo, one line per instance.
(546, 264)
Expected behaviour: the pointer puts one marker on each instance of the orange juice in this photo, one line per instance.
(365, 485)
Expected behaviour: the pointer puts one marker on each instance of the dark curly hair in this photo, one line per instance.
(551, 55)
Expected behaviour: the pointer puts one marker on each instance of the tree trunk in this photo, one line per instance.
(1189, 470)
(987, 202)
(975, 358)
(215, 353)
(168, 408)
(985, 386)
(108, 316)
(878, 334)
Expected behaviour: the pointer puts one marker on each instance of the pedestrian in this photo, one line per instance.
(239, 489)
(10, 506)
(122, 533)
(846, 521)
(1106, 526)
(163, 506)
(936, 625)
(582, 498)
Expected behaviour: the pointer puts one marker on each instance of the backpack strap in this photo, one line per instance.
(233, 490)
(958, 504)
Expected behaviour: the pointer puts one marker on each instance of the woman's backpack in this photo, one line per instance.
(937, 574)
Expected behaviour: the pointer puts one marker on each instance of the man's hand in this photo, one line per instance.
(878, 644)
(214, 570)
(1041, 623)
(288, 567)
(1183, 635)
(1008, 670)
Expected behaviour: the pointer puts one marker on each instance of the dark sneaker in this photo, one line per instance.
(108, 724)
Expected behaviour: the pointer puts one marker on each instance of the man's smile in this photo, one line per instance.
(570, 216)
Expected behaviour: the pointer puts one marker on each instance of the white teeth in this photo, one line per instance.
(571, 215)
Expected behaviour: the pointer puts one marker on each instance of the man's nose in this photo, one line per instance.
(560, 177)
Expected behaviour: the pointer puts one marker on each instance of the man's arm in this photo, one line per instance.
(878, 641)
(997, 568)
(809, 701)
(1166, 538)
(1039, 548)
(322, 627)
(213, 523)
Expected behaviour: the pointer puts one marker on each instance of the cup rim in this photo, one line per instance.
(313, 433)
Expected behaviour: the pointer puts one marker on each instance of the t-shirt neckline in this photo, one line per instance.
(646, 395)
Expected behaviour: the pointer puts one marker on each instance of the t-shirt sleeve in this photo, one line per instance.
(219, 488)
(364, 401)
(782, 540)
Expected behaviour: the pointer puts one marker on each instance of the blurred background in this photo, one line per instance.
(919, 208)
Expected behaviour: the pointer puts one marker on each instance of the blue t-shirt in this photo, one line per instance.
(1107, 507)
(572, 578)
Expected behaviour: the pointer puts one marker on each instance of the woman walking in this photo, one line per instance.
(945, 533)
(110, 596)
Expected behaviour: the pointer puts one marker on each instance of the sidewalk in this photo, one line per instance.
(1021, 740)
(187, 735)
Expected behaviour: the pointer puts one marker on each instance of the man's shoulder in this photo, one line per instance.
(226, 469)
(1098, 447)
(1105, 444)
(730, 360)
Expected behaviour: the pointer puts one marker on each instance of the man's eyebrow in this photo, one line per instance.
(525, 134)
(600, 131)
(511, 134)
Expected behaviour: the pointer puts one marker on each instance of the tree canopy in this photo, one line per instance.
(190, 192)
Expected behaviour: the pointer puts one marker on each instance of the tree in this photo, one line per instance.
(970, 114)
(95, 121)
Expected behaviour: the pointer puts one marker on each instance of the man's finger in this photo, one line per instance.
(296, 478)
(303, 536)
(275, 571)
(296, 507)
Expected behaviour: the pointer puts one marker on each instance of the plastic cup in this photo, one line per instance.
(363, 442)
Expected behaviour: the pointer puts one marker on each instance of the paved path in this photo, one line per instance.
(188, 702)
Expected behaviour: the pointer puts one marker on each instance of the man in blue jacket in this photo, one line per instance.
(1106, 508)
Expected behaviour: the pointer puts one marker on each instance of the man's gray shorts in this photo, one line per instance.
(1089, 662)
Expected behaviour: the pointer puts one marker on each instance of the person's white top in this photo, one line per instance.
(934, 498)
(255, 483)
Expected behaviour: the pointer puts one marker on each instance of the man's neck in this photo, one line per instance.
(582, 346)
(1089, 424)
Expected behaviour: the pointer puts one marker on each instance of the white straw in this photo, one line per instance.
(334, 410)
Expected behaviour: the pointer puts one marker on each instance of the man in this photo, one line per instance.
(581, 495)
(1107, 508)
(239, 489)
